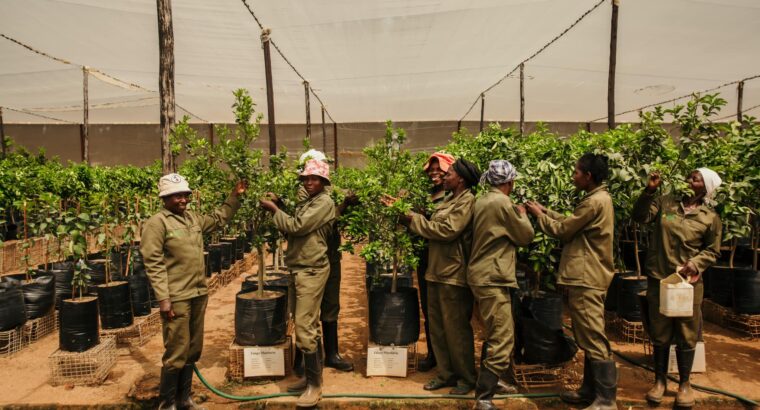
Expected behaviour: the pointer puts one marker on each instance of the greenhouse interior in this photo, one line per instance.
(349, 204)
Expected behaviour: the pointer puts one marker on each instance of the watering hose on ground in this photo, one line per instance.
(365, 395)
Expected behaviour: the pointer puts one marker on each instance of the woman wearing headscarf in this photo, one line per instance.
(435, 168)
(308, 230)
(498, 228)
(450, 300)
(686, 239)
(585, 270)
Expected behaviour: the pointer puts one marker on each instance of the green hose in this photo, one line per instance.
(365, 395)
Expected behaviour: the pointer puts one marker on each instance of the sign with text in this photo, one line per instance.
(387, 361)
(263, 361)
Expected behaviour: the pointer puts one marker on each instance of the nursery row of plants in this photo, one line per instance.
(74, 203)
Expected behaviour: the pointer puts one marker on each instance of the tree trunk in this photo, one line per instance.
(166, 81)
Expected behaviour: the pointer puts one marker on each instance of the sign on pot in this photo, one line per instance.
(387, 361)
(263, 361)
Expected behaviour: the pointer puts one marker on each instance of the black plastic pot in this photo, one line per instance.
(644, 306)
(260, 322)
(248, 243)
(628, 250)
(12, 307)
(215, 257)
(139, 291)
(207, 263)
(746, 284)
(240, 247)
(115, 305)
(272, 281)
(233, 245)
(628, 297)
(39, 295)
(611, 300)
(97, 273)
(63, 273)
(394, 318)
(545, 307)
(541, 345)
(153, 300)
(227, 259)
(78, 324)
(721, 285)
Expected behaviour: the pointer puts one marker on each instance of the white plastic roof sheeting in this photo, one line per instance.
(373, 60)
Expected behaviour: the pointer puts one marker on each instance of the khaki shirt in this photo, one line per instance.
(449, 234)
(498, 229)
(172, 247)
(678, 237)
(587, 237)
(308, 232)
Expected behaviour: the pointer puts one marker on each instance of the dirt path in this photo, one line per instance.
(24, 378)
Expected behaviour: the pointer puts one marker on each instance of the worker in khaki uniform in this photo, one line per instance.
(686, 238)
(586, 269)
(450, 301)
(498, 228)
(172, 247)
(308, 231)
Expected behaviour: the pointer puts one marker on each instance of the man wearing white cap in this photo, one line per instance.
(172, 246)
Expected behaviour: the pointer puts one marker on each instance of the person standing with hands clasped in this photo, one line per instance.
(498, 228)
(171, 244)
(309, 229)
(450, 301)
(686, 239)
(585, 270)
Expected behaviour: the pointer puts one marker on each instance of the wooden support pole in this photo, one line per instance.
(522, 99)
(459, 125)
(588, 127)
(308, 109)
(270, 92)
(482, 109)
(613, 62)
(740, 98)
(166, 81)
(2, 135)
(324, 131)
(84, 130)
(211, 140)
(335, 144)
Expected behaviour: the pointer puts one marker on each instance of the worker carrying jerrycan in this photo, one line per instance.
(676, 296)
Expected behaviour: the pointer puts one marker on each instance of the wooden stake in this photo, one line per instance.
(166, 80)
(335, 144)
(270, 92)
(740, 98)
(482, 109)
(211, 140)
(459, 125)
(324, 131)
(308, 109)
(522, 99)
(2, 134)
(84, 131)
(613, 62)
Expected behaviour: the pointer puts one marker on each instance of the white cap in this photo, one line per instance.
(172, 184)
(312, 154)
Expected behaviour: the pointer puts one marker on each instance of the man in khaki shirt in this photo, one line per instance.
(498, 228)
(171, 244)
(586, 270)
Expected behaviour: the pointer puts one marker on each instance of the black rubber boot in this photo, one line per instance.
(657, 391)
(605, 385)
(167, 390)
(332, 356)
(502, 387)
(585, 394)
(300, 385)
(485, 388)
(185, 390)
(313, 392)
(685, 396)
(428, 363)
(298, 363)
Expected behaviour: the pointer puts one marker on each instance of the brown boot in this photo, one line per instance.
(313, 392)
(660, 374)
(685, 396)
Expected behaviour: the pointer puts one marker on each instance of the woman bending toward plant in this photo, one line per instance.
(450, 301)
(585, 270)
(685, 239)
(308, 230)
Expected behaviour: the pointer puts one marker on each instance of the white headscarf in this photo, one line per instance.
(712, 181)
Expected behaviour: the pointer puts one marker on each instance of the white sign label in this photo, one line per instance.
(387, 361)
(263, 361)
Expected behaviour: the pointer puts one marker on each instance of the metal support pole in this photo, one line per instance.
(613, 62)
(522, 99)
(308, 109)
(2, 135)
(482, 109)
(211, 140)
(335, 144)
(740, 98)
(166, 81)
(84, 131)
(324, 131)
(270, 92)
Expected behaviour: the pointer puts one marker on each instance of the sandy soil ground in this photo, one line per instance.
(733, 363)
